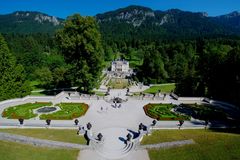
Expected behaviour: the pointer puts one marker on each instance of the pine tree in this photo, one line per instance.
(12, 80)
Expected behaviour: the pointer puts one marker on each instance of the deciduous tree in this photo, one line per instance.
(80, 43)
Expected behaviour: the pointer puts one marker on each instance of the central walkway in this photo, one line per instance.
(114, 124)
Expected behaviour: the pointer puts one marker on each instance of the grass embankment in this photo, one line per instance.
(24, 111)
(206, 111)
(163, 112)
(66, 135)
(17, 151)
(164, 88)
(209, 145)
(36, 90)
(135, 63)
(68, 111)
(98, 93)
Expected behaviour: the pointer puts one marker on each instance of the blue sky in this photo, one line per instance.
(63, 8)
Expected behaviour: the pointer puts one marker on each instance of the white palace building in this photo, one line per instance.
(120, 66)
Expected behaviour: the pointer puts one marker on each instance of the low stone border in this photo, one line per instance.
(168, 144)
(40, 142)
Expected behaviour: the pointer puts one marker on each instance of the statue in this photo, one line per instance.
(88, 134)
(129, 138)
(180, 123)
(76, 121)
(21, 120)
(154, 122)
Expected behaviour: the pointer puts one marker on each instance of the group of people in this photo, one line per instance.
(117, 105)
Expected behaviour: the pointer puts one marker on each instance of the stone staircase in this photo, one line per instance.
(113, 145)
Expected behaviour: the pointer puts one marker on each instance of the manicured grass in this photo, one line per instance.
(35, 85)
(209, 145)
(99, 93)
(163, 112)
(118, 83)
(205, 111)
(17, 151)
(165, 88)
(24, 111)
(68, 111)
(135, 63)
(67, 135)
(37, 94)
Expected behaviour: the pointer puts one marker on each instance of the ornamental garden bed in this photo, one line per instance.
(163, 112)
(68, 111)
(24, 111)
(118, 83)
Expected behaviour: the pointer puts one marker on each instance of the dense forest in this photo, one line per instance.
(199, 67)
(74, 56)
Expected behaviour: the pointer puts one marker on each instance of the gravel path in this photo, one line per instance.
(168, 144)
(40, 142)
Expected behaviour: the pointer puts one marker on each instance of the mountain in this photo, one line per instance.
(231, 20)
(141, 22)
(29, 22)
(133, 22)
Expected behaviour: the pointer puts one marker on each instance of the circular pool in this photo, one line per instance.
(46, 109)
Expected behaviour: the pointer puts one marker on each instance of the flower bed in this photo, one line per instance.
(68, 111)
(24, 111)
(163, 112)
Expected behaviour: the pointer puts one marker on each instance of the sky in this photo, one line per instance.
(64, 8)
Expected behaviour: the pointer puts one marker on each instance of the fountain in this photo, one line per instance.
(46, 109)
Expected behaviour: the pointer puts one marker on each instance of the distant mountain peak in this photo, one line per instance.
(36, 16)
(230, 15)
(21, 13)
(204, 14)
(234, 14)
(29, 22)
(174, 11)
(134, 15)
(43, 18)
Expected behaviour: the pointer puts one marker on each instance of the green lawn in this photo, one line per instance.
(37, 94)
(35, 85)
(99, 93)
(68, 111)
(163, 112)
(118, 83)
(209, 145)
(135, 63)
(205, 111)
(165, 88)
(67, 135)
(17, 151)
(24, 111)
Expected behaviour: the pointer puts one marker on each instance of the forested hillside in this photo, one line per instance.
(29, 22)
